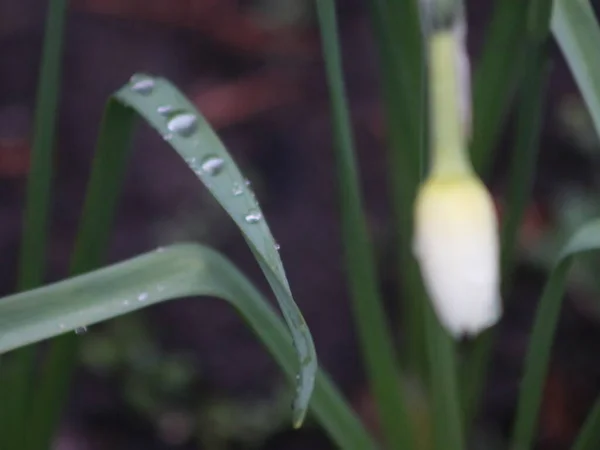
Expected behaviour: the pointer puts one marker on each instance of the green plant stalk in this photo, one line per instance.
(15, 391)
(375, 339)
(449, 158)
(589, 436)
(495, 79)
(537, 360)
(182, 270)
(531, 90)
(584, 240)
(576, 30)
(446, 416)
(522, 171)
(400, 45)
(92, 242)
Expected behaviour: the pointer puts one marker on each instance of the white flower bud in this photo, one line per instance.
(456, 245)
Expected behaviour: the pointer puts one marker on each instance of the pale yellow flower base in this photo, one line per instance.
(456, 244)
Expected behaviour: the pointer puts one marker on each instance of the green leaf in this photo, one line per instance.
(536, 364)
(176, 119)
(576, 30)
(397, 28)
(520, 178)
(589, 436)
(93, 238)
(373, 331)
(16, 377)
(495, 78)
(178, 271)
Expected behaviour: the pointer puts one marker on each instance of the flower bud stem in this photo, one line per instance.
(449, 156)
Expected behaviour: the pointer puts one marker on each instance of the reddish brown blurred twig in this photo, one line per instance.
(235, 102)
(220, 20)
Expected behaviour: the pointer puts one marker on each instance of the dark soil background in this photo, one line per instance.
(258, 77)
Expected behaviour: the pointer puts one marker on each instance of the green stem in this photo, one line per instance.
(92, 241)
(589, 436)
(531, 96)
(16, 388)
(375, 339)
(397, 29)
(449, 156)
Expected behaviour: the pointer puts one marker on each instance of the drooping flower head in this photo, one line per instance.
(456, 233)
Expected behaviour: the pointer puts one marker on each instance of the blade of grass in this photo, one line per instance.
(181, 270)
(521, 173)
(375, 339)
(92, 241)
(15, 389)
(447, 420)
(495, 78)
(397, 29)
(576, 30)
(536, 363)
(589, 436)
(441, 22)
(176, 119)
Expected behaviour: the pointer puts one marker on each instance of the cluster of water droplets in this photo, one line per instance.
(184, 124)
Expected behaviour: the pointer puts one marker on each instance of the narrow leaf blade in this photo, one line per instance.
(536, 364)
(181, 270)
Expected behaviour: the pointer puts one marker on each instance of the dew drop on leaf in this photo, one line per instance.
(183, 124)
(212, 165)
(253, 216)
(143, 85)
(164, 110)
(237, 189)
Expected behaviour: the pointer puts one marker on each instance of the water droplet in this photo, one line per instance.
(160, 249)
(253, 216)
(184, 124)
(143, 297)
(164, 110)
(81, 330)
(212, 165)
(237, 189)
(277, 246)
(167, 137)
(125, 302)
(62, 326)
(247, 182)
(142, 84)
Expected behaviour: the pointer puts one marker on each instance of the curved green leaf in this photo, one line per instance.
(178, 271)
(175, 118)
(167, 110)
(536, 365)
(16, 382)
(576, 30)
(373, 332)
(589, 436)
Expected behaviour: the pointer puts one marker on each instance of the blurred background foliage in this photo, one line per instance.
(189, 375)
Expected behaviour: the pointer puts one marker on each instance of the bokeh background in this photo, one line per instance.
(189, 375)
